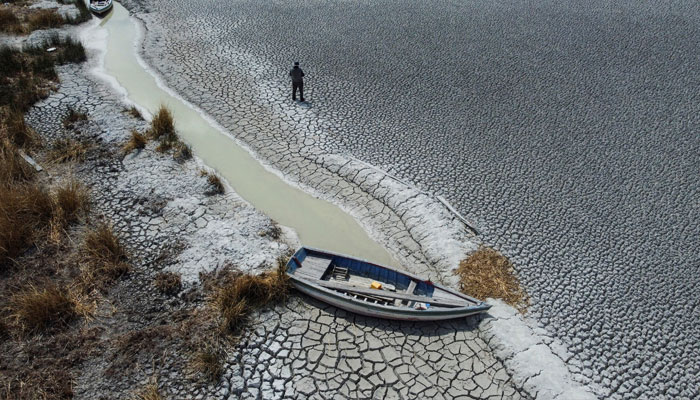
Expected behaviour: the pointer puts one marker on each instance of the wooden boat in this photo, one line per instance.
(100, 7)
(369, 289)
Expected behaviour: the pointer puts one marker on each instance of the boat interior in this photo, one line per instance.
(371, 283)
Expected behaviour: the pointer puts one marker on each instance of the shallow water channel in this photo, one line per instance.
(318, 223)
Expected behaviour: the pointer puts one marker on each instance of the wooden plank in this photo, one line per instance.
(409, 290)
(386, 294)
(313, 267)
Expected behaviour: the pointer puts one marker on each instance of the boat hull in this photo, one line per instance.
(315, 288)
(101, 10)
(369, 311)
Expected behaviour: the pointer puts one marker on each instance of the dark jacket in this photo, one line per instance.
(297, 75)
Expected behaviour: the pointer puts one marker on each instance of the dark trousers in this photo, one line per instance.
(300, 86)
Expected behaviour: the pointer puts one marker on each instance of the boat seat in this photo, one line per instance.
(411, 288)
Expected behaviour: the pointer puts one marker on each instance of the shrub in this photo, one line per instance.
(72, 201)
(70, 51)
(43, 19)
(72, 117)
(136, 142)
(488, 273)
(168, 283)
(36, 309)
(104, 258)
(64, 150)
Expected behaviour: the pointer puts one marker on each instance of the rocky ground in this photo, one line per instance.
(565, 132)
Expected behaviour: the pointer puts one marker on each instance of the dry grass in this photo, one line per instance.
(72, 117)
(235, 299)
(182, 152)
(488, 273)
(26, 210)
(15, 129)
(104, 258)
(217, 187)
(149, 392)
(35, 309)
(13, 168)
(137, 141)
(72, 202)
(65, 150)
(207, 361)
(44, 19)
(162, 127)
(134, 112)
(9, 23)
(168, 283)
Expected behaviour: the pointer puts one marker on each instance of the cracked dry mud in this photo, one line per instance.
(567, 131)
(303, 349)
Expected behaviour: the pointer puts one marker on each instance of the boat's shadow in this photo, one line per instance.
(419, 328)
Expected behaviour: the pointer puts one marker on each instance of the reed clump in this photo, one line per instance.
(9, 22)
(162, 126)
(134, 112)
(44, 19)
(72, 201)
(149, 392)
(215, 184)
(14, 128)
(486, 273)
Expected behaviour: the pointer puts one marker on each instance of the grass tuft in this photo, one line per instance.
(26, 209)
(217, 187)
(235, 300)
(149, 392)
(168, 283)
(64, 150)
(14, 128)
(72, 202)
(72, 117)
(13, 168)
(9, 23)
(36, 309)
(182, 152)
(137, 141)
(104, 258)
(162, 127)
(488, 273)
(134, 112)
(208, 362)
(44, 19)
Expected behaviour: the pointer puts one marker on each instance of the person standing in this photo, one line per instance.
(297, 81)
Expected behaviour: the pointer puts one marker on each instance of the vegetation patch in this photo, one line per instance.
(168, 282)
(73, 202)
(215, 184)
(243, 292)
(162, 126)
(14, 128)
(73, 117)
(149, 392)
(134, 112)
(65, 150)
(182, 152)
(488, 273)
(36, 309)
(137, 141)
(208, 362)
(104, 259)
